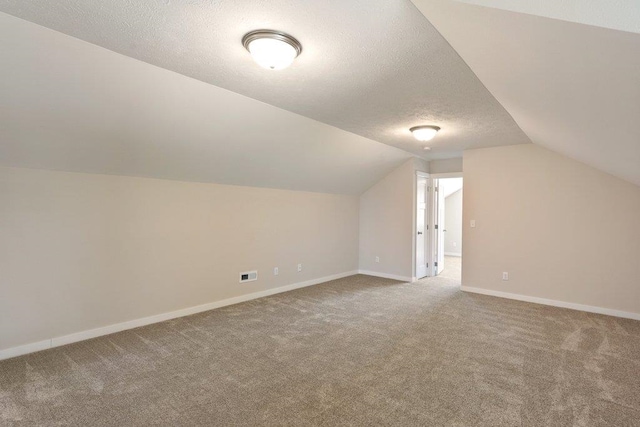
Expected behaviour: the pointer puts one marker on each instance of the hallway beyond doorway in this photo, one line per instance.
(452, 268)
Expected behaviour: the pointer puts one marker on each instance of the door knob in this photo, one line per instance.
(419, 232)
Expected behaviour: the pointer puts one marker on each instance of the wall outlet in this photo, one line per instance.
(473, 223)
(377, 259)
(275, 271)
(248, 276)
(299, 268)
(455, 244)
(505, 276)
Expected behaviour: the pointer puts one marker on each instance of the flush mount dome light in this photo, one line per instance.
(424, 133)
(273, 50)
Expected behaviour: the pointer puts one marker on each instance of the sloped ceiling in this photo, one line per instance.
(69, 105)
(371, 67)
(571, 87)
(623, 15)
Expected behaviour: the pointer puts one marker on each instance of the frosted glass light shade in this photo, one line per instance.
(424, 133)
(271, 49)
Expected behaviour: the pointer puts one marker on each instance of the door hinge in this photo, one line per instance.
(436, 226)
(435, 264)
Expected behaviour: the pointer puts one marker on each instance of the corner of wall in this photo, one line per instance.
(535, 213)
(386, 223)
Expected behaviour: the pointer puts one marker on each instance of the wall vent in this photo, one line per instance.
(248, 276)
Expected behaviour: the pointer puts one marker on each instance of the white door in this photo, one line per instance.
(421, 224)
(440, 230)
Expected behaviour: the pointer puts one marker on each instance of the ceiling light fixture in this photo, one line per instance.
(424, 133)
(271, 49)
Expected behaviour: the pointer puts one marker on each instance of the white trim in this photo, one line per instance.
(414, 247)
(106, 330)
(432, 233)
(554, 303)
(386, 276)
(458, 254)
(25, 349)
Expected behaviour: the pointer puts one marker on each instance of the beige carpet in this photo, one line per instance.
(359, 351)
(452, 268)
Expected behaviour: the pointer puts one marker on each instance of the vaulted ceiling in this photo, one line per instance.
(371, 67)
(370, 70)
(68, 105)
(567, 71)
(623, 15)
(165, 88)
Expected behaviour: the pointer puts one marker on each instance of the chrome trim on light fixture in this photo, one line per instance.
(271, 34)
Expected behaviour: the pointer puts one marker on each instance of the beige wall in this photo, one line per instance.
(386, 223)
(445, 166)
(80, 251)
(564, 231)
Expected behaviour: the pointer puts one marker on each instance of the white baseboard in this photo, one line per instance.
(106, 330)
(386, 276)
(25, 349)
(453, 254)
(554, 303)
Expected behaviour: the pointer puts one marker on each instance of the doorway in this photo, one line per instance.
(447, 230)
(438, 226)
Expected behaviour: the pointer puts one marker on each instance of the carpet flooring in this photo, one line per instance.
(452, 269)
(358, 351)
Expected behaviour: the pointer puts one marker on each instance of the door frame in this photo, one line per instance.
(433, 217)
(414, 251)
(439, 227)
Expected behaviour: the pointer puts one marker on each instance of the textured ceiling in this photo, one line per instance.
(371, 67)
(69, 105)
(572, 88)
